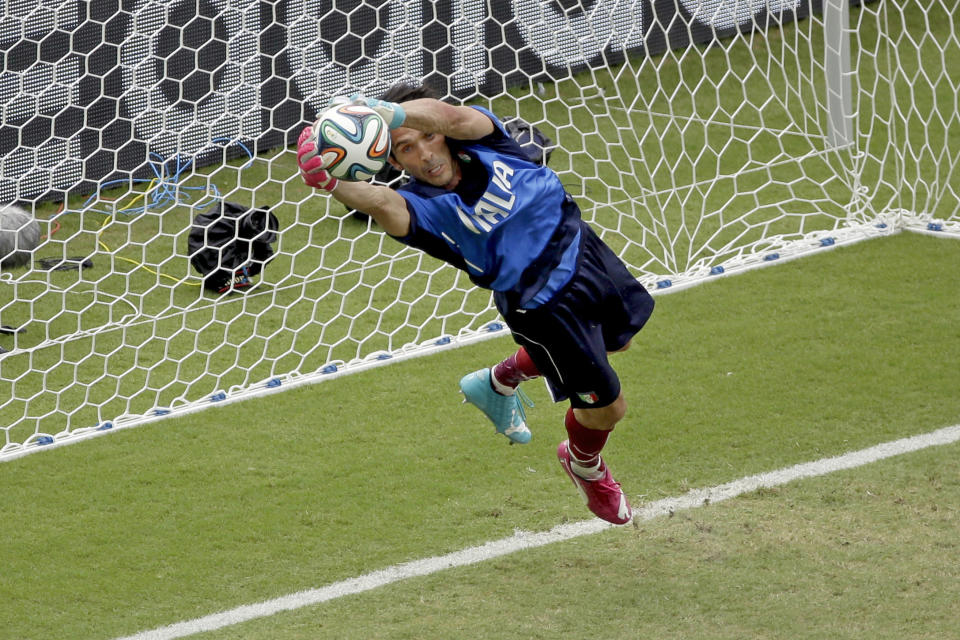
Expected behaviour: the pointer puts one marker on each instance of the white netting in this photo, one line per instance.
(700, 138)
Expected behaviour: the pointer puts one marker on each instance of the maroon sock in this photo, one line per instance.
(585, 444)
(515, 369)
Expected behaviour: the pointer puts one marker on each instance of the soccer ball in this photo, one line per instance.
(353, 140)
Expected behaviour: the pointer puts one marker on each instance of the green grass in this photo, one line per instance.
(254, 500)
(851, 556)
(250, 501)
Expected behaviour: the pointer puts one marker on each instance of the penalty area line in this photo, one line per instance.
(526, 540)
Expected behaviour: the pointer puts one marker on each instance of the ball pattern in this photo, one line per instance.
(353, 140)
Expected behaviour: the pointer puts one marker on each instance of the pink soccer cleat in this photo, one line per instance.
(603, 496)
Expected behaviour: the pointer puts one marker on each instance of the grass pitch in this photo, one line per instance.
(244, 503)
(252, 501)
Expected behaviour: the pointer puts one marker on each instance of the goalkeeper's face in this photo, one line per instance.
(425, 156)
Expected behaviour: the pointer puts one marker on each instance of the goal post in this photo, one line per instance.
(700, 139)
(836, 64)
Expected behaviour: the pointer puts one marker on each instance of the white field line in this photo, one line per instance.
(525, 540)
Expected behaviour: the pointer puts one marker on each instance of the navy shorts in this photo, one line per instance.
(568, 338)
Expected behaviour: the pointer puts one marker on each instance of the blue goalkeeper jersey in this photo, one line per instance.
(509, 223)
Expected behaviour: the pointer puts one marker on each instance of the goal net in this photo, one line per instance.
(700, 138)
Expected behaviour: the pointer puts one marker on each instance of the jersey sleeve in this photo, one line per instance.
(498, 140)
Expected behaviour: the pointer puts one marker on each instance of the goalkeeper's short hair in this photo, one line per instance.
(407, 90)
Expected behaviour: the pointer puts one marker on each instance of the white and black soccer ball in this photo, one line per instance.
(19, 236)
(353, 140)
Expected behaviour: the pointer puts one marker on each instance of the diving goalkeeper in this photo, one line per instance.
(475, 201)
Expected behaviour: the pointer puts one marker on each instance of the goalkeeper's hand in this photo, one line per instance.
(311, 165)
(391, 112)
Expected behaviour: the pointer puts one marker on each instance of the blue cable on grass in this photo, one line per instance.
(164, 191)
(168, 175)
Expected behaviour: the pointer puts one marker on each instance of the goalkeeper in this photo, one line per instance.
(474, 200)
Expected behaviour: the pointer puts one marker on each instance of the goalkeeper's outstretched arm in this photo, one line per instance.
(462, 123)
(419, 129)
(381, 203)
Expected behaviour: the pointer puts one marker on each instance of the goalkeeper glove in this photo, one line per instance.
(391, 112)
(311, 165)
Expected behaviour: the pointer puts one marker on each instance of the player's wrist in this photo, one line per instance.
(329, 185)
(321, 180)
(392, 113)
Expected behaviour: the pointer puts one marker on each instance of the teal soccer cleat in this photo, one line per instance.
(506, 412)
